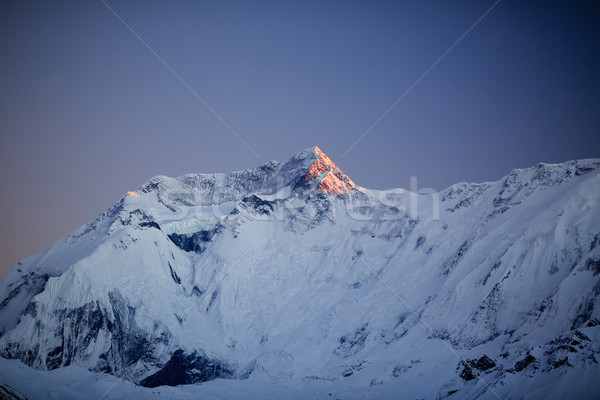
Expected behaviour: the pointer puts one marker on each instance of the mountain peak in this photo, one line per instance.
(331, 178)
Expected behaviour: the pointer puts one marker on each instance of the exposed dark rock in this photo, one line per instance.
(489, 274)
(352, 343)
(149, 224)
(33, 284)
(54, 358)
(584, 313)
(582, 336)
(451, 262)
(400, 369)
(595, 242)
(522, 364)
(184, 369)
(80, 327)
(129, 341)
(467, 373)
(196, 242)
(420, 241)
(352, 369)
(482, 364)
(558, 363)
(138, 218)
(593, 322)
(10, 393)
(174, 275)
(582, 170)
(257, 205)
(593, 265)
(213, 297)
(32, 309)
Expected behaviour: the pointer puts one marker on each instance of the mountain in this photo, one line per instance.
(292, 276)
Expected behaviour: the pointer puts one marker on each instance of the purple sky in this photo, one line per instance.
(88, 112)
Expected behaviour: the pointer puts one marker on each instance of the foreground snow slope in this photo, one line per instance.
(290, 275)
(73, 382)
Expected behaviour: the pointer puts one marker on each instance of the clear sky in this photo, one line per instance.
(87, 112)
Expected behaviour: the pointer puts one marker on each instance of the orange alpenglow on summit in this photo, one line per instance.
(333, 180)
(133, 193)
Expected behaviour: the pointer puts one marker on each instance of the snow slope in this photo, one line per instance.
(292, 276)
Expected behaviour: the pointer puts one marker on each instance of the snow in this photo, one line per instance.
(372, 294)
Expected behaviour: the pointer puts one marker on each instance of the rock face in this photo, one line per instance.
(184, 369)
(331, 179)
(290, 272)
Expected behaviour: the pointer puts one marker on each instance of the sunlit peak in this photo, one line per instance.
(331, 178)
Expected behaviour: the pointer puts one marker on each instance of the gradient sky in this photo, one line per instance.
(87, 112)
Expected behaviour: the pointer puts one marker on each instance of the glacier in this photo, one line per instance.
(291, 281)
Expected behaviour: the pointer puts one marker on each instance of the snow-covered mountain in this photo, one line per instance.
(292, 276)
